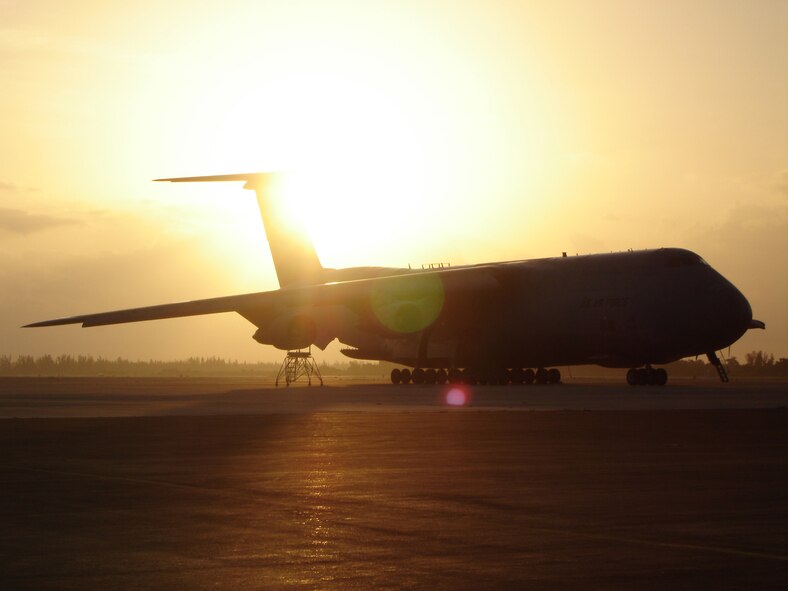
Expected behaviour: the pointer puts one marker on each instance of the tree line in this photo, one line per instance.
(756, 364)
(87, 365)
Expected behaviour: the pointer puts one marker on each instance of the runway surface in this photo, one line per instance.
(205, 484)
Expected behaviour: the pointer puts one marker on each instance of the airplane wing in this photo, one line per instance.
(176, 310)
(382, 296)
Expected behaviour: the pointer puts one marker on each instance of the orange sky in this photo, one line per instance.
(453, 132)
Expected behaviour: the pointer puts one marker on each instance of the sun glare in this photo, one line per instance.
(388, 146)
(350, 151)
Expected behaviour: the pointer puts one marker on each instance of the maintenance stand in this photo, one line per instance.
(298, 364)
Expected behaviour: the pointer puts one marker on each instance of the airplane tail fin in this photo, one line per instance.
(295, 258)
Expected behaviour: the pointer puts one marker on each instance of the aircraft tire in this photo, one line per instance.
(430, 376)
(516, 375)
(632, 377)
(455, 376)
(441, 376)
(396, 375)
(417, 376)
(553, 376)
(541, 376)
(405, 376)
(529, 376)
(660, 376)
(641, 375)
(470, 377)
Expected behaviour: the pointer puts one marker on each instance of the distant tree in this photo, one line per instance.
(26, 364)
(759, 360)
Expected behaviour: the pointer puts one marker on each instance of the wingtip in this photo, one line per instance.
(34, 324)
(55, 322)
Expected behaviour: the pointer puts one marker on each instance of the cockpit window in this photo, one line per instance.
(683, 259)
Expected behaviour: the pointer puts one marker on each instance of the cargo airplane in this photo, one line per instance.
(503, 322)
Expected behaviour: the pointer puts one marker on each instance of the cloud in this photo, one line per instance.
(9, 187)
(42, 42)
(17, 221)
(5, 186)
(782, 182)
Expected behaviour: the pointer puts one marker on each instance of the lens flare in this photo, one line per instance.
(409, 303)
(456, 397)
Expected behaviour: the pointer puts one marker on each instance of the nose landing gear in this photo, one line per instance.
(715, 361)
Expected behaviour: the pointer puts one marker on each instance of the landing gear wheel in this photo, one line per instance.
(632, 379)
(469, 376)
(660, 376)
(455, 376)
(541, 376)
(441, 376)
(430, 376)
(396, 376)
(498, 377)
(405, 376)
(529, 376)
(641, 377)
(553, 376)
(517, 375)
(418, 376)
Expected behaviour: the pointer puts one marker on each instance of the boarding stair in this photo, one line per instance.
(720, 367)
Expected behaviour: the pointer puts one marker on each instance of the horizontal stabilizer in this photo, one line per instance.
(253, 179)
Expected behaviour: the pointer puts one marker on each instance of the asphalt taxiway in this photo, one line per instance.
(205, 484)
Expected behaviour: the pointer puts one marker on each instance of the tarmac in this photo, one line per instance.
(233, 484)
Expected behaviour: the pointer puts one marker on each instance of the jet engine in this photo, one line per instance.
(301, 328)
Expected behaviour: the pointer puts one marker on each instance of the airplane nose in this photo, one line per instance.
(732, 309)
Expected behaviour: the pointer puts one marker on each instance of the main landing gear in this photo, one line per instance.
(472, 377)
(647, 376)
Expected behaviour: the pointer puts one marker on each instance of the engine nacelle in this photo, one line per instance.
(299, 329)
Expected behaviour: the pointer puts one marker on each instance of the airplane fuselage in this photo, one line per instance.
(619, 310)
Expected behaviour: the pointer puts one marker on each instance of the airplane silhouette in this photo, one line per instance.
(490, 323)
